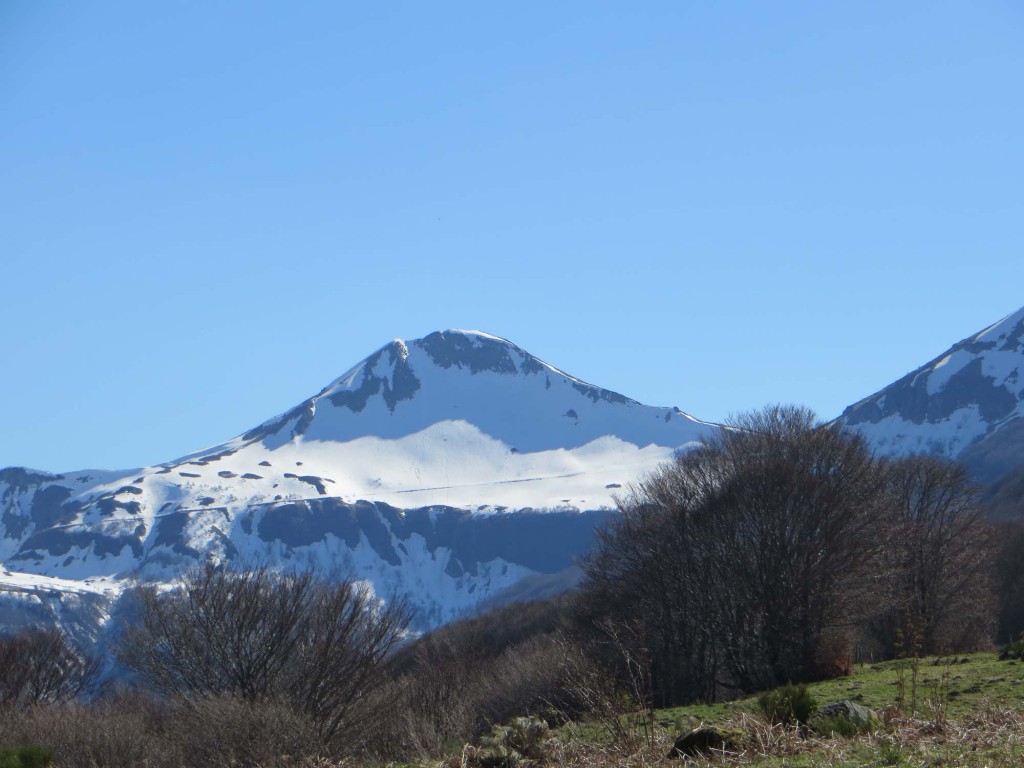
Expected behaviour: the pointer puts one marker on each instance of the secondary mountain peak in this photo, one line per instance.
(970, 391)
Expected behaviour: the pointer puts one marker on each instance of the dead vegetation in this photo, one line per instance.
(994, 739)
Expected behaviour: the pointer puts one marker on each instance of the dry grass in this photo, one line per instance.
(993, 738)
(971, 715)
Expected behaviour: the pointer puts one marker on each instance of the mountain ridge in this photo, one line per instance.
(457, 468)
(449, 467)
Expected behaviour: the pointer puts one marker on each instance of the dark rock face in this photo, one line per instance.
(355, 400)
(546, 542)
(316, 482)
(449, 350)
(14, 526)
(596, 393)
(302, 414)
(48, 506)
(909, 398)
(402, 385)
(20, 479)
(452, 349)
(169, 532)
(59, 541)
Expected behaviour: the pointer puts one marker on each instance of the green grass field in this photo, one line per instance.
(959, 685)
(958, 711)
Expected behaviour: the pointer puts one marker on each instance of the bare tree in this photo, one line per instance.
(343, 642)
(750, 558)
(258, 634)
(219, 631)
(648, 569)
(795, 523)
(942, 557)
(42, 666)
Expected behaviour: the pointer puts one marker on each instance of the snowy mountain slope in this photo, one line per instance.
(449, 467)
(970, 395)
(28, 600)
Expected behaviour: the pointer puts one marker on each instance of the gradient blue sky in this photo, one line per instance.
(210, 210)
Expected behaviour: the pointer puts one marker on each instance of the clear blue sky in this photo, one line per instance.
(210, 210)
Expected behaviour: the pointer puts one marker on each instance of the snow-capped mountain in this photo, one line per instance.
(449, 468)
(968, 403)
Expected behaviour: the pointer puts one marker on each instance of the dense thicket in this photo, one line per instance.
(765, 554)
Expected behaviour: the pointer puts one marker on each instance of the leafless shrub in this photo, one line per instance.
(218, 632)
(258, 636)
(228, 731)
(530, 679)
(448, 699)
(42, 666)
(109, 734)
(134, 730)
(439, 689)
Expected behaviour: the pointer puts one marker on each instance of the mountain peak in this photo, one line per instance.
(478, 379)
(970, 390)
(476, 351)
(370, 474)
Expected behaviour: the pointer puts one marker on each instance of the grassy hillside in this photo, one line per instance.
(963, 711)
(960, 711)
(959, 686)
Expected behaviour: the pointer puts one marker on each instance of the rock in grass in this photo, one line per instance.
(848, 710)
(703, 740)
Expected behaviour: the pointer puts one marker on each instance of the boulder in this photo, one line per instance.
(849, 710)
